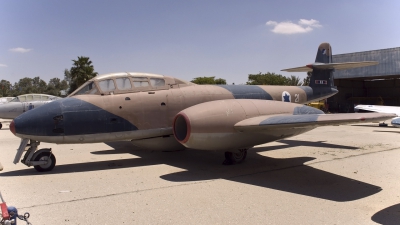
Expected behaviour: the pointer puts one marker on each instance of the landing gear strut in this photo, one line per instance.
(235, 157)
(42, 160)
(383, 124)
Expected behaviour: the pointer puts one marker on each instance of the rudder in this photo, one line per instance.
(324, 53)
(322, 77)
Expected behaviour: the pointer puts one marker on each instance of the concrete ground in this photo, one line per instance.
(331, 175)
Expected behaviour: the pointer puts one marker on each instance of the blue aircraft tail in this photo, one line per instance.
(321, 77)
(322, 70)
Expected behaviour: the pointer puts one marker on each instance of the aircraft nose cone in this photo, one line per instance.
(12, 127)
(37, 122)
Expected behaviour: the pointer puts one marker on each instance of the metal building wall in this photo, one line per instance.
(389, 64)
(375, 85)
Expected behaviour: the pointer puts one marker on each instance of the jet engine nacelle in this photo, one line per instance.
(211, 125)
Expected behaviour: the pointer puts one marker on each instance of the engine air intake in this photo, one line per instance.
(181, 128)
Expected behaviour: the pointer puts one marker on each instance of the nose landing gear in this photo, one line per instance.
(42, 160)
(44, 155)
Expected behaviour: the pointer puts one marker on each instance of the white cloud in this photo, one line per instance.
(288, 27)
(273, 23)
(311, 23)
(20, 50)
(3, 65)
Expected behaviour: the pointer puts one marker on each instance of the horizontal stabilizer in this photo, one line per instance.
(274, 122)
(329, 66)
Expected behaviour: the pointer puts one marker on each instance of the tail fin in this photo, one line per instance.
(324, 53)
(322, 77)
(322, 69)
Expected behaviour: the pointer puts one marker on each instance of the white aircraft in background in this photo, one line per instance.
(23, 103)
(382, 109)
(4, 100)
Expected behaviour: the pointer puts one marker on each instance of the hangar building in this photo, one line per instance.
(372, 85)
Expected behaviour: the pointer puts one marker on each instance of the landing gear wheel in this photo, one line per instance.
(235, 157)
(45, 156)
(1, 125)
(383, 124)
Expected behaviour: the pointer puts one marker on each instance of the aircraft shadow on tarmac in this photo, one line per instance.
(284, 174)
(295, 143)
(388, 216)
(372, 125)
(387, 131)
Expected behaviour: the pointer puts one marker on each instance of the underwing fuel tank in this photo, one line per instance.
(211, 125)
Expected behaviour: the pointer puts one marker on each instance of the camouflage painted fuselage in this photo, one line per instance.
(140, 113)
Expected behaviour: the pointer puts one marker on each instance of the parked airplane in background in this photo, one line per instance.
(5, 100)
(161, 112)
(23, 103)
(382, 109)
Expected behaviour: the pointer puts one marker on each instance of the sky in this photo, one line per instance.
(227, 39)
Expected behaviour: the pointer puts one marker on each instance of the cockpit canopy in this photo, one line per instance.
(34, 97)
(127, 82)
(5, 99)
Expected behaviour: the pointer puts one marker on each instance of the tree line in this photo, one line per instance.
(32, 85)
(82, 70)
(260, 79)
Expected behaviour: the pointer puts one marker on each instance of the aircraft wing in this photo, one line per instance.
(380, 108)
(270, 122)
(336, 66)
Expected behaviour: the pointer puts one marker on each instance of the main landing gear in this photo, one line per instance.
(235, 157)
(383, 124)
(42, 160)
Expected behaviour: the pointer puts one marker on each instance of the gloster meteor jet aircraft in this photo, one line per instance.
(23, 103)
(162, 112)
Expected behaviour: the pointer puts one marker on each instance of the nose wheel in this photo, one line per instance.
(46, 156)
(42, 160)
(235, 157)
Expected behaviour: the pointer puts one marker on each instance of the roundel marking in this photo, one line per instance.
(286, 97)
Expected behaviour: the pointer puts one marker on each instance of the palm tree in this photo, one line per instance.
(81, 71)
(306, 80)
(294, 81)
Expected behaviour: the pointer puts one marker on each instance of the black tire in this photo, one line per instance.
(235, 157)
(1, 125)
(43, 157)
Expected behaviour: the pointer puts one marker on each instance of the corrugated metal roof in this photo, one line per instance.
(389, 64)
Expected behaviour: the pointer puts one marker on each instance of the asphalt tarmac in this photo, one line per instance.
(331, 175)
